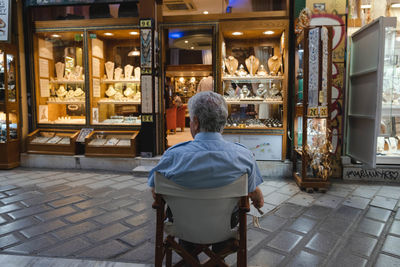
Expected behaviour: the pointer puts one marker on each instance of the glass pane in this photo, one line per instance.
(60, 79)
(3, 127)
(11, 78)
(115, 60)
(13, 125)
(2, 78)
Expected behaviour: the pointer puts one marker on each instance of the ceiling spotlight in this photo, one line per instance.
(192, 47)
(134, 53)
(365, 6)
(108, 34)
(268, 32)
(55, 35)
(186, 41)
(133, 33)
(396, 5)
(237, 33)
(205, 12)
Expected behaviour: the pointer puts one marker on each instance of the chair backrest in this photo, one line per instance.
(201, 216)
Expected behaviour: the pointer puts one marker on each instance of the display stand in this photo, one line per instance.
(52, 141)
(9, 108)
(111, 144)
(311, 159)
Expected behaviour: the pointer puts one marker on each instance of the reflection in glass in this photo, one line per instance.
(13, 125)
(2, 90)
(11, 77)
(3, 127)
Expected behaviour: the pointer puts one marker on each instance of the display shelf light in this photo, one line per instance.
(108, 34)
(133, 33)
(134, 53)
(268, 32)
(237, 33)
(395, 5)
(366, 6)
(205, 12)
(186, 41)
(55, 35)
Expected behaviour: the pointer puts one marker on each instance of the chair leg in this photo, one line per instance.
(159, 253)
(214, 258)
(242, 251)
(183, 253)
(168, 259)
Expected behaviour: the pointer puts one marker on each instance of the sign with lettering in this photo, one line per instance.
(5, 20)
(145, 23)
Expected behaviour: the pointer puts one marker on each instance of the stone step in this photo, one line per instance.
(142, 171)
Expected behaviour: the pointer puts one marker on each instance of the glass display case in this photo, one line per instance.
(254, 79)
(52, 141)
(111, 144)
(60, 79)
(313, 93)
(374, 78)
(115, 84)
(9, 108)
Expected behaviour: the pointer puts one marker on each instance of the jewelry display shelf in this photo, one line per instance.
(121, 81)
(111, 101)
(66, 102)
(52, 141)
(252, 78)
(249, 101)
(111, 144)
(67, 82)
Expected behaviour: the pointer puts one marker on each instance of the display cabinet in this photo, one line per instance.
(374, 78)
(52, 141)
(114, 60)
(312, 134)
(254, 84)
(60, 80)
(111, 144)
(9, 108)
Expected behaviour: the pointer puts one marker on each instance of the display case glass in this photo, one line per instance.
(60, 79)
(115, 84)
(52, 141)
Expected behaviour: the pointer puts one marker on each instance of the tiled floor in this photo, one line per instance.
(108, 216)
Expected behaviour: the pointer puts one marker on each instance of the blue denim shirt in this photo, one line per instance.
(207, 161)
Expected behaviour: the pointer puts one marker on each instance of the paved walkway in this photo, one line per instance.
(108, 216)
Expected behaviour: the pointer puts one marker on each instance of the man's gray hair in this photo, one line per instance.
(210, 109)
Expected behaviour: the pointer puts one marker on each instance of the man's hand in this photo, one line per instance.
(257, 198)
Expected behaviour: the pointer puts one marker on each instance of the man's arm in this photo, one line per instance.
(257, 198)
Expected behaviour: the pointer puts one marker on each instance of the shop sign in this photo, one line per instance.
(147, 118)
(5, 20)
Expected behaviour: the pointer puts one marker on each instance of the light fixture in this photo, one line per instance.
(396, 5)
(133, 33)
(268, 32)
(134, 53)
(365, 6)
(193, 80)
(55, 35)
(192, 47)
(181, 80)
(205, 12)
(186, 41)
(237, 33)
(398, 38)
(108, 34)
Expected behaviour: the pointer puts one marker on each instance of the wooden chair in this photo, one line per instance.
(202, 217)
(171, 118)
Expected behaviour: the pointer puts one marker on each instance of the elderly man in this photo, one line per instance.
(209, 161)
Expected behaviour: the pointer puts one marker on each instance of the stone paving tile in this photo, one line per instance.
(276, 198)
(105, 251)
(350, 260)
(28, 211)
(140, 219)
(10, 207)
(362, 245)
(19, 190)
(285, 241)
(140, 235)
(305, 259)
(303, 225)
(365, 191)
(397, 216)
(384, 202)
(339, 191)
(17, 225)
(91, 203)
(392, 245)
(123, 178)
(254, 237)
(266, 190)
(66, 201)
(82, 182)
(120, 203)
(119, 185)
(357, 202)
(318, 212)
(395, 228)
(386, 260)
(42, 228)
(85, 215)
(142, 187)
(66, 248)
(370, 227)
(302, 199)
(274, 259)
(378, 214)
(73, 191)
(41, 199)
(347, 213)
(20, 197)
(32, 245)
(328, 201)
(290, 189)
(389, 191)
(112, 216)
(8, 240)
(52, 183)
(7, 187)
(55, 213)
(272, 223)
(107, 232)
(74, 230)
(265, 209)
(101, 184)
(288, 211)
(335, 225)
(144, 253)
(2, 220)
(323, 242)
(139, 207)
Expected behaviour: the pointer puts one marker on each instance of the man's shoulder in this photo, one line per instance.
(178, 146)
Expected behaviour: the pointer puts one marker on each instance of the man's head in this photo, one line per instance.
(208, 112)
